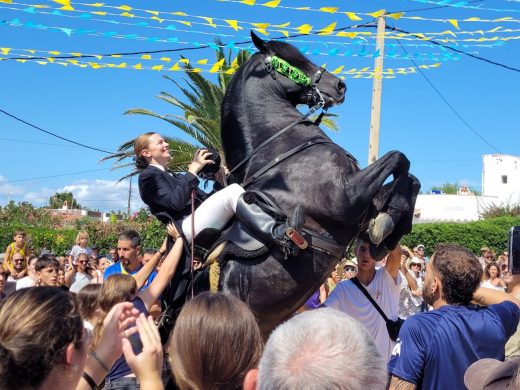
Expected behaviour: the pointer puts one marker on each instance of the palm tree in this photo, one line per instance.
(200, 118)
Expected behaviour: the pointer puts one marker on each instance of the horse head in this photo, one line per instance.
(302, 81)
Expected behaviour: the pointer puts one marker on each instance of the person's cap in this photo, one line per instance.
(419, 247)
(492, 374)
(485, 249)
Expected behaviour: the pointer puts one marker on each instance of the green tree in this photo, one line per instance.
(452, 188)
(57, 201)
(199, 115)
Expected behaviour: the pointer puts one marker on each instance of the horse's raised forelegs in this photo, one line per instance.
(394, 201)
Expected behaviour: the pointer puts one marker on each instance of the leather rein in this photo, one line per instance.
(314, 96)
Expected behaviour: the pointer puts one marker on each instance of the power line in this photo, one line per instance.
(52, 134)
(49, 177)
(453, 49)
(448, 103)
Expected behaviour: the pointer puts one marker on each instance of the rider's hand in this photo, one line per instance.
(172, 231)
(200, 160)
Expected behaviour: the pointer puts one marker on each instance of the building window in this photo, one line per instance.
(504, 179)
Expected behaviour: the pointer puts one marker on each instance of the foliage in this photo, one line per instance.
(26, 214)
(473, 235)
(495, 211)
(57, 201)
(452, 188)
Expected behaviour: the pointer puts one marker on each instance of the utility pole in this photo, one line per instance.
(375, 115)
(129, 196)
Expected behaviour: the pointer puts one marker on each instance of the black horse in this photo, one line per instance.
(302, 166)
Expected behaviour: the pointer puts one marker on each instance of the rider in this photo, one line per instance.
(168, 195)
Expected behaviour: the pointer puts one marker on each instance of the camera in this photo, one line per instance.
(210, 170)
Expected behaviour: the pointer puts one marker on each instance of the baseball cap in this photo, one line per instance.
(490, 374)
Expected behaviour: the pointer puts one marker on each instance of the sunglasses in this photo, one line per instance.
(18, 260)
(350, 269)
(415, 264)
(82, 261)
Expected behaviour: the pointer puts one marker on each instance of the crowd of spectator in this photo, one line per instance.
(86, 320)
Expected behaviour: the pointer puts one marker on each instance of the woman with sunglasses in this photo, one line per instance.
(410, 298)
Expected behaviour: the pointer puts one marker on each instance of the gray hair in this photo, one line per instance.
(321, 349)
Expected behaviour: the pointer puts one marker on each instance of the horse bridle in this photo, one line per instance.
(277, 65)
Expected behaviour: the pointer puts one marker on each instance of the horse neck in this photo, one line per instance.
(254, 110)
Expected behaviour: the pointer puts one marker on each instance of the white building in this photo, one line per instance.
(501, 177)
(500, 185)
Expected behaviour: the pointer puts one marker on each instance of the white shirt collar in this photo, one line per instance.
(158, 166)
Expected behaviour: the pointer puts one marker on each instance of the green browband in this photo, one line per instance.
(286, 69)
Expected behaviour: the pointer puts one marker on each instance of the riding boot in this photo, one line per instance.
(269, 230)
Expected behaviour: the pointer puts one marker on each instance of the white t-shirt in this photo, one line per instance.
(76, 250)
(78, 281)
(409, 304)
(349, 299)
(25, 282)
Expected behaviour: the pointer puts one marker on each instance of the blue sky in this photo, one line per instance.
(87, 105)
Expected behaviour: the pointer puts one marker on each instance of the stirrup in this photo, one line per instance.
(296, 238)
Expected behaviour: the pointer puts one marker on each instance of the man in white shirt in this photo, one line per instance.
(31, 278)
(383, 284)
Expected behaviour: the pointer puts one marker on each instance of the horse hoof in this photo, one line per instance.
(380, 227)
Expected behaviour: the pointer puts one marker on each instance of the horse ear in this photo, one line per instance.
(258, 42)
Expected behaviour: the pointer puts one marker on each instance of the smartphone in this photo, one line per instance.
(514, 250)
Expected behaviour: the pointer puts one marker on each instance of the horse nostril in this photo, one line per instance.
(341, 86)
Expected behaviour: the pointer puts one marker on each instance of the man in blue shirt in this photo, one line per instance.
(128, 249)
(434, 349)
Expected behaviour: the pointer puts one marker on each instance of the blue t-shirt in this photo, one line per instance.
(121, 367)
(117, 268)
(434, 349)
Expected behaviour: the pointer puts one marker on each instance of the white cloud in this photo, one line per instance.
(103, 195)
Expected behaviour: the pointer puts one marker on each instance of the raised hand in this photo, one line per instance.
(201, 158)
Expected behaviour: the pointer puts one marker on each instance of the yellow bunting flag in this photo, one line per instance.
(5, 50)
(454, 23)
(262, 26)
(175, 67)
(138, 66)
(157, 67)
(73, 62)
(185, 61)
(351, 35)
(96, 4)
(30, 51)
(217, 65)
(272, 4)
(328, 29)
(122, 65)
(234, 24)
(76, 54)
(210, 21)
(98, 57)
(6, 1)
(179, 13)
(146, 57)
(304, 29)
(65, 3)
(102, 13)
(55, 53)
(165, 59)
(156, 13)
(396, 15)
(204, 61)
(127, 15)
(285, 33)
(283, 25)
(337, 70)
(116, 55)
(377, 14)
(262, 31)
(248, 2)
(448, 32)
(184, 22)
(157, 18)
(330, 10)
(352, 16)
(124, 8)
(50, 59)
